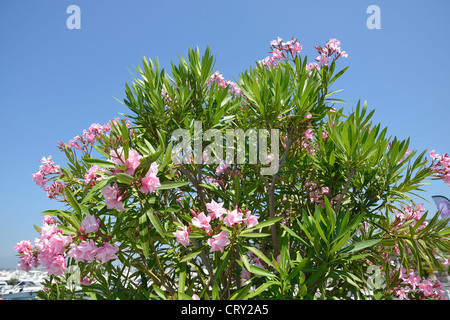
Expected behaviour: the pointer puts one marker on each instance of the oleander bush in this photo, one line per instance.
(182, 198)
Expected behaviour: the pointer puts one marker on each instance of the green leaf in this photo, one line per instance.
(181, 279)
(259, 254)
(144, 236)
(340, 243)
(156, 223)
(262, 288)
(222, 264)
(193, 253)
(261, 272)
(72, 201)
(172, 185)
(124, 178)
(101, 163)
(241, 293)
(253, 235)
(360, 245)
(262, 225)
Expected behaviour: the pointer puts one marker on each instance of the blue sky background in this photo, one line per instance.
(55, 82)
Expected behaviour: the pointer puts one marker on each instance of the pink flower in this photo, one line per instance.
(202, 222)
(323, 60)
(195, 297)
(39, 179)
(133, 161)
(26, 261)
(23, 246)
(182, 236)
(85, 251)
(252, 220)
(47, 230)
(309, 134)
(113, 199)
(57, 265)
(223, 166)
(86, 282)
(402, 293)
(413, 279)
(58, 242)
(216, 210)
(150, 182)
(233, 217)
(106, 253)
(90, 223)
(93, 175)
(219, 242)
(427, 288)
(49, 219)
(433, 155)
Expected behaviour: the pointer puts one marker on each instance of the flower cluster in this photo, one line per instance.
(441, 166)
(49, 249)
(281, 51)
(409, 213)
(218, 78)
(93, 245)
(48, 172)
(220, 215)
(315, 192)
(411, 283)
(95, 131)
(331, 49)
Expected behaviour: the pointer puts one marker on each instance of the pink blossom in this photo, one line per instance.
(252, 220)
(86, 282)
(39, 179)
(113, 199)
(85, 251)
(150, 182)
(57, 266)
(195, 297)
(223, 166)
(182, 236)
(219, 242)
(309, 134)
(216, 210)
(323, 60)
(106, 253)
(93, 175)
(413, 279)
(48, 219)
(202, 222)
(433, 155)
(47, 230)
(23, 246)
(58, 242)
(90, 223)
(26, 261)
(427, 288)
(402, 293)
(233, 217)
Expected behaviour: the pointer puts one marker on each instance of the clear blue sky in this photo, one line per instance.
(55, 82)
